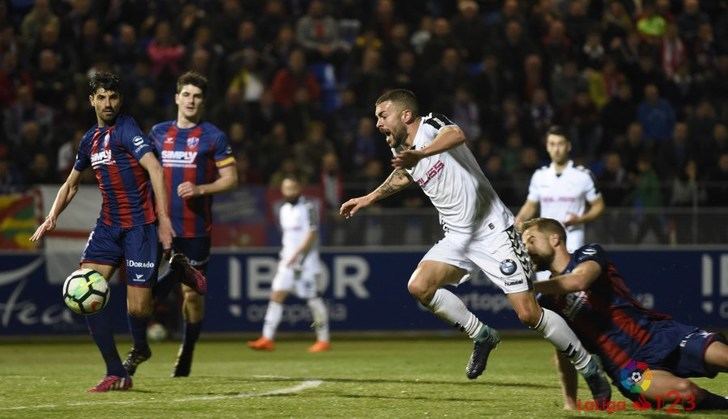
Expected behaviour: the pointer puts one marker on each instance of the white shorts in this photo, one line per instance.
(501, 256)
(302, 283)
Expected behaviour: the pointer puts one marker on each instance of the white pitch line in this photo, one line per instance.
(305, 385)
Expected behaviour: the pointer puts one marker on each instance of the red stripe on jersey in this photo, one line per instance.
(190, 175)
(117, 185)
(627, 324)
(105, 209)
(613, 351)
(168, 181)
(143, 184)
(210, 173)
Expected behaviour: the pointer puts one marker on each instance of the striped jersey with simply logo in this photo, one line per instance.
(113, 152)
(190, 155)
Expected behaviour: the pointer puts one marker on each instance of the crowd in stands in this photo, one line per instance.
(640, 85)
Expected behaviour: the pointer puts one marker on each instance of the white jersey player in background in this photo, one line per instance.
(562, 191)
(298, 269)
(479, 234)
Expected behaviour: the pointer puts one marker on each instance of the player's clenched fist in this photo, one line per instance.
(350, 207)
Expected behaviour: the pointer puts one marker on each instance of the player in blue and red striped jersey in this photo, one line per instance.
(131, 224)
(198, 163)
(648, 355)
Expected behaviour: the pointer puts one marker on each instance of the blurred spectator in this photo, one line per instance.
(126, 49)
(466, 112)
(310, 151)
(26, 109)
(632, 146)
(248, 174)
(650, 23)
(541, 112)
(441, 39)
(278, 51)
(370, 79)
(287, 168)
(592, 53)
(273, 149)
(231, 110)
(686, 193)
(617, 114)
(656, 115)
(39, 16)
(165, 52)
(287, 80)
(67, 155)
(52, 83)
(672, 51)
(332, 180)
(469, 30)
(690, 20)
(318, 33)
(647, 200)
(565, 82)
(673, 155)
(40, 171)
(10, 179)
(274, 16)
(368, 144)
(614, 185)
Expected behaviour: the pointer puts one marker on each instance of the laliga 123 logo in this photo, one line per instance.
(636, 377)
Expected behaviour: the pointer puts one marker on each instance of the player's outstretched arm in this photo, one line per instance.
(448, 137)
(397, 180)
(64, 197)
(156, 176)
(228, 180)
(579, 279)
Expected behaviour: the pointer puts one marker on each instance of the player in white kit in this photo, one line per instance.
(298, 269)
(562, 191)
(479, 233)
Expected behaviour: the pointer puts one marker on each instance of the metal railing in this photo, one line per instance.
(376, 227)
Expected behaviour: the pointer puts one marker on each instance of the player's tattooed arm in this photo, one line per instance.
(397, 180)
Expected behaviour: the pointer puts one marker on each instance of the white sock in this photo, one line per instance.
(557, 331)
(450, 307)
(320, 318)
(272, 319)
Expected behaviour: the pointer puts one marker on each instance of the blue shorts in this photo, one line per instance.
(678, 349)
(137, 247)
(197, 250)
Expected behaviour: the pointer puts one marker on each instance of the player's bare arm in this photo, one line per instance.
(300, 254)
(528, 211)
(568, 378)
(64, 197)
(579, 279)
(448, 138)
(397, 180)
(156, 176)
(228, 180)
(596, 208)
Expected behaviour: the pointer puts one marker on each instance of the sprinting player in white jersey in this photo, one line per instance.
(298, 269)
(562, 191)
(479, 233)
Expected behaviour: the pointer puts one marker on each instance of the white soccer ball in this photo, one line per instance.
(86, 291)
(156, 332)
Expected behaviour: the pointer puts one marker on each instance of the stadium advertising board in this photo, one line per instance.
(364, 290)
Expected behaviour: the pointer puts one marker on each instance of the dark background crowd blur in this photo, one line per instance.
(641, 86)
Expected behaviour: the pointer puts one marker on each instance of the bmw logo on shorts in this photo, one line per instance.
(508, 267)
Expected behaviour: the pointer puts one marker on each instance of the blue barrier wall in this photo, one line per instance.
(365, 291)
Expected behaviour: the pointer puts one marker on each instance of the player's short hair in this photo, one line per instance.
(104, 80)
(194, 78)
(559, 131)
(402, 97)
(546, 225)
(293, 178)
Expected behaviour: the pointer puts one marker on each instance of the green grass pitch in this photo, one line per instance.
(387, 378)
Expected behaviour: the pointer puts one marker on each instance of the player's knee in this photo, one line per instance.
(529, 316)
(140, 310)
(420, 290)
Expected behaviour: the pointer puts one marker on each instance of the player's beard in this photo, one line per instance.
(399, 137)
(542, 262)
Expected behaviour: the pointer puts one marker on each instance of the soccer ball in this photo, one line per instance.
(156, 332)
(86, 291)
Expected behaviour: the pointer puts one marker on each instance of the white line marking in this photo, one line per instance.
(305, 385)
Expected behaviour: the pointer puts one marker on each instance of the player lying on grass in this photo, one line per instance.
(647, 354)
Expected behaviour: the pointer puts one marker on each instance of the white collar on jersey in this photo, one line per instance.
(569, 165)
